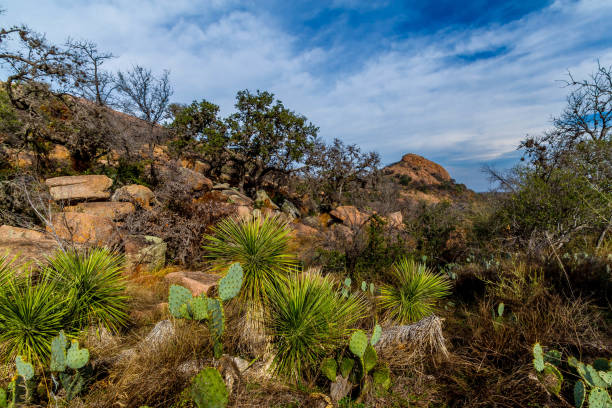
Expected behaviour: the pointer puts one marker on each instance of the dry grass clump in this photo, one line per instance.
(154, 375)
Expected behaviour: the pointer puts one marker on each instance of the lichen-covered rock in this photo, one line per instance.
(92, 187)
(136, 194)
(144, 253)
(350, 216)
(290, 209)
(112, 209)
(262, 200)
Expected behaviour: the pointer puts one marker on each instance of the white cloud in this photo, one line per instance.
(415, 96)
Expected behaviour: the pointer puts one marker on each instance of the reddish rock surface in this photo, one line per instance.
(92, 187)
(27, 245)
(83, 228)
(419, 170)
(350, 216)
(197, 282)
(136, 194)
(113, 210)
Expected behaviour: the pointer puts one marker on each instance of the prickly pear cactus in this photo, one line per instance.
(329, 368)
(538, 357)
(73, 385)
(230, 284)
(553, 357)
(599, 398)
(358, 343)
(76, 358)
(177, 298)
(58, 353)
(346, 365)
(199, 307)
(3, 398)
(579, 394)
(216, 318)
(551, 378)
(369, 359)
(382, 377)
(24, 369)
(376, 333)
(208, 389)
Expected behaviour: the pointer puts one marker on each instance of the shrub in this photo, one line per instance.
(308, 319)
(413, 293)
(93, 284)
(261, 247)
(31, 314)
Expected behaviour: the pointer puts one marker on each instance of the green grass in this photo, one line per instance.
(413, 293)
(308, 319)
(261, 247)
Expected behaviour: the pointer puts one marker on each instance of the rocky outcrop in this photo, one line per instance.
(82, 228)
(25, 244)
(395, 219)
(92, 187)
(144, 253)
(350, 216)
(112, 210)
(262, 200)
(136, 194)
(197, 282)
(418, 170)
(190, 179)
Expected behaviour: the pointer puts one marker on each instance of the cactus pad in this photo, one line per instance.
(606, 376)
(347, 282)
(376, 333)
(601, 364)
(592, 376)
(553, 357)
(358, 343)
(346, 366)
(551, 378)
(76, 358)
(538, 357)
(73, 385)
(199, 307)
(231, 283)
(208, 389)
(599, 398)
(24, 369)
(364, 286)
(58, 353)
(371, 289)
(329, 368)
(3, 398)
(382, 377)
(178, 297)
(369, 359)
(215, 318)
(579, 394)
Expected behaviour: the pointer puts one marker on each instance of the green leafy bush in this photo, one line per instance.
(93, 284)
(413, 293)
(260, 245)
(308, 318)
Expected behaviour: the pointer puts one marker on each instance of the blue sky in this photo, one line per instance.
(459, 82)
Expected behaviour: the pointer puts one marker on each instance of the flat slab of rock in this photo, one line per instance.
(82, 228)
(111, 209)
(93, 187)
(197, 282)
(136, 194)
(25, 244)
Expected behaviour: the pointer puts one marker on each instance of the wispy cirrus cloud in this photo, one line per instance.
(456, 85)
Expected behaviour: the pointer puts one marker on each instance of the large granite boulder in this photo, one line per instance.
(109, 209)
(92, 187)
(350, 216)
(25, 244)
(82, 228)
(144, 253)
(136, 194)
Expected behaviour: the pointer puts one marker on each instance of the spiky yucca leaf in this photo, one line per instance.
(31, 314)
(93, 284)
(308, 319)
(261, 247)
(413, 293)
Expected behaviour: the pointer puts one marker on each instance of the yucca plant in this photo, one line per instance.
(308, 318)
(413, 292)
(260, 244)
(31, 314)
(93, 284)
